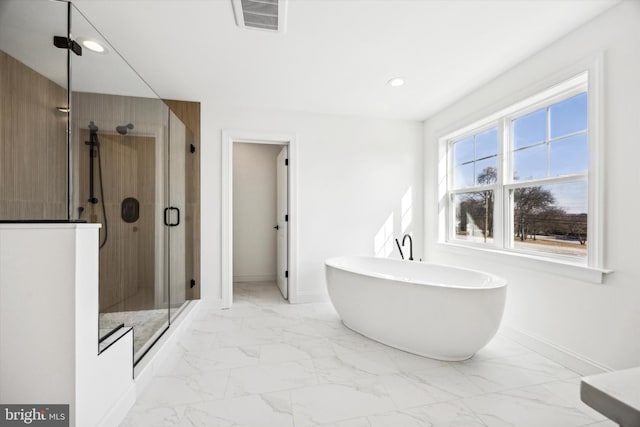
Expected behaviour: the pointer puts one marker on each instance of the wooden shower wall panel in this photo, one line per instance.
(149, 116)
(33, 144)
(189, 113)
(127, 258)
(178, 259)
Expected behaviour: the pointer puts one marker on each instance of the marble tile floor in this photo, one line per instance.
(267, 363)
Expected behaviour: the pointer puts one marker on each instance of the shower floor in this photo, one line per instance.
(146, 324)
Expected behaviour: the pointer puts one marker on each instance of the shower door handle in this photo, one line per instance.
(167, 215)
(178, 218)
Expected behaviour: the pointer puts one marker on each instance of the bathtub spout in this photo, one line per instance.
(399, 249)
(410, 246)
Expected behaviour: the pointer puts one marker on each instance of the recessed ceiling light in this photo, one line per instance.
(396, 81)
(93, 45)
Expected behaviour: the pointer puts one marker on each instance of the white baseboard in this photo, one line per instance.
(255, 278)
(148, 366)
(567, 358)
(211, 303)
(119, 411)
(308, 298)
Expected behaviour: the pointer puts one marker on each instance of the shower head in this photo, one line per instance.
(123, 129)
(92, 127)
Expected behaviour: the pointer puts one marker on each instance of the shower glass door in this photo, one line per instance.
(120, 157)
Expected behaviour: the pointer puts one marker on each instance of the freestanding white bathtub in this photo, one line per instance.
(440, 312)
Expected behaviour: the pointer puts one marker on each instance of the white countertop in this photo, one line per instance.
(615, 395)
(47, 225)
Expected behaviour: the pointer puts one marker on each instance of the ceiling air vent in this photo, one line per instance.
(266, 15)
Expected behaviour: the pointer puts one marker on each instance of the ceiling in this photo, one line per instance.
(336, 55)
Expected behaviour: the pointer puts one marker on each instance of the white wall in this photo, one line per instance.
(596, 322)
(254, 212)
(353, 173)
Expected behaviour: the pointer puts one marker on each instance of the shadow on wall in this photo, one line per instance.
(383, 241)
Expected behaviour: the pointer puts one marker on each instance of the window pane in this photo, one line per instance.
(474, 216)
(551, 219)
(464, 176)
(487, 143)
(530, 129)
(530, 163)
(486, 172)
(569, 155)
(463, 151)
(569, 116)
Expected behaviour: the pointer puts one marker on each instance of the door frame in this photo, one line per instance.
(229, 137)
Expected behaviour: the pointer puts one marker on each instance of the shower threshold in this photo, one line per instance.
(147, 325)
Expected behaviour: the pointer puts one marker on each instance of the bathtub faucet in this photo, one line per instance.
(399, 249)
(410, 246)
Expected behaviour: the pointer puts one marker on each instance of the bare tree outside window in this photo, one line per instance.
(531, 205)
(476, 208)
(542, 217)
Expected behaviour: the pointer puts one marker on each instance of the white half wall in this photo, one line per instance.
(353, 174)
(49, 325)
(595, 322)
(254, 212)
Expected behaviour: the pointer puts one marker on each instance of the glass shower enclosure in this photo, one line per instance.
(108, 150)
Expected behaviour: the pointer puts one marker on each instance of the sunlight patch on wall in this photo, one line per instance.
(383, 240)
(398, 223)
(406, 211)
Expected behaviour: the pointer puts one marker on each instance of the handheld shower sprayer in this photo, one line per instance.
(94, 153)
(93, 144)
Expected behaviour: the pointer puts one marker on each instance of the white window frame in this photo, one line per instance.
(582, 77)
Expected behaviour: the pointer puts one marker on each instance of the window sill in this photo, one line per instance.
(562, 268)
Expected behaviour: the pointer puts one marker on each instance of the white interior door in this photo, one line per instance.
(282, 222)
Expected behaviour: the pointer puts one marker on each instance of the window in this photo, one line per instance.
(475, 162)
(518, 180)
